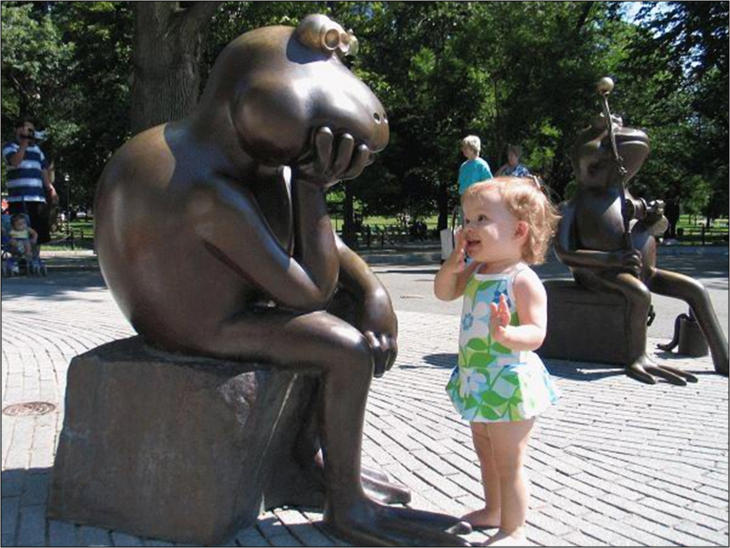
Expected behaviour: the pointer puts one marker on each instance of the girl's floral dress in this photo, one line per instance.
(492, 383)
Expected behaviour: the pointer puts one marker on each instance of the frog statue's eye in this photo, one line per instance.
(349, 44)
(320, 33)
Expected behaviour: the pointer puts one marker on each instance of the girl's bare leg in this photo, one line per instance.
(489, 516)
(509, 446)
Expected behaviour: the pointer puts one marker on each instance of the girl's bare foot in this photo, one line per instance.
(482, 519)
(500, 538)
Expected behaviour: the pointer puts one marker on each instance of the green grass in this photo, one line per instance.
(431, 222)
(720, 224)
(83, 230)
(377, 221)
(78, 227)
(59, 243)
(63, 247)
(83, 236)
(693, 227)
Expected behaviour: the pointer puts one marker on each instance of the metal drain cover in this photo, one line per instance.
(32, 408)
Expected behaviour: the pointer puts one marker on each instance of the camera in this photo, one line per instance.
(35, 135)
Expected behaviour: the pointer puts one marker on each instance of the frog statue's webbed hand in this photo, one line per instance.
(380, 327)
(331, 159)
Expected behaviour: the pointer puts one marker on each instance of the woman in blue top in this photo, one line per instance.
(474, 169)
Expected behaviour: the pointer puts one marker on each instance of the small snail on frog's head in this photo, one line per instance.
(320, 32)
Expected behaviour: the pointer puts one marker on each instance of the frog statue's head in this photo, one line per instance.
(279, 84)
(593, 159)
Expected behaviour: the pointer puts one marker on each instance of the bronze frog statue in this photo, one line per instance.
(214, 238)
(604, 256)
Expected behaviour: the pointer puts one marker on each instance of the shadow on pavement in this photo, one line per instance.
(558, 368)
(564, 369)
(582, 371)
(673, 356)
(447, 361)
(32, 484)
(429, 271)
(55, 286)
(24, 499)
(696, 266)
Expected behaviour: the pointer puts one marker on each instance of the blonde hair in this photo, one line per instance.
(525, 200)
(472, 142)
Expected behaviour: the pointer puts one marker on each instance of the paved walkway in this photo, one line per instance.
(616, 463)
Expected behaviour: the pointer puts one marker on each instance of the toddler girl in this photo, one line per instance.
(500, 385)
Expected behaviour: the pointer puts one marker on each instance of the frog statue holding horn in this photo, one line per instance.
(607, 238)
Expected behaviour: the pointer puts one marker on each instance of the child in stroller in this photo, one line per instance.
(19, 246)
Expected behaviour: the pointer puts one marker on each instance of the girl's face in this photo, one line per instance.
(512, 159)
(19, 224)
(493, 234)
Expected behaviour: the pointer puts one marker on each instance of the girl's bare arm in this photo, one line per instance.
(451, 279)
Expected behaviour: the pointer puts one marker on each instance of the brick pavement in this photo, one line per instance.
(616, 463)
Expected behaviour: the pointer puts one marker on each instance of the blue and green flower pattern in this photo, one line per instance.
(492, 383)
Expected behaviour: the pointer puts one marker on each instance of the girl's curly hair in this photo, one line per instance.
(525, 200)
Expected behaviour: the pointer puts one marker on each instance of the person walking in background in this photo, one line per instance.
(474, 169)
(671, 212)
(513, 167)
(28, 178)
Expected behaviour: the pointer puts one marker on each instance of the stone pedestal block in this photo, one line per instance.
(585, 326)
(178, 448)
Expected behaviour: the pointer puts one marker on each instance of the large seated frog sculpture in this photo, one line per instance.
(214, 238)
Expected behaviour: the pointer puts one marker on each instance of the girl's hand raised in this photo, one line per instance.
(499, 320)
(457, 260)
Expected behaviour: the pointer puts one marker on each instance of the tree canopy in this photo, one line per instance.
(510, 72)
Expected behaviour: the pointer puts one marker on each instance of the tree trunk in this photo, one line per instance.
(586, 10)
(442, 199)
(498, 125)
(348, 217)
(166, 52)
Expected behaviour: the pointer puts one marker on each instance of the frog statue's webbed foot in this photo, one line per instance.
(365, 522)
(379, 486)
(646, 371)
(721, 366)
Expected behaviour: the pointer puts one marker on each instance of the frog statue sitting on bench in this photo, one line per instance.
(591, 240)
(214, 238)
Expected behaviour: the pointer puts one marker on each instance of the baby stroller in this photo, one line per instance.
(14, 262)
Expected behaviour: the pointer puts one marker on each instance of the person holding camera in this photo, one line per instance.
(28, 178)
